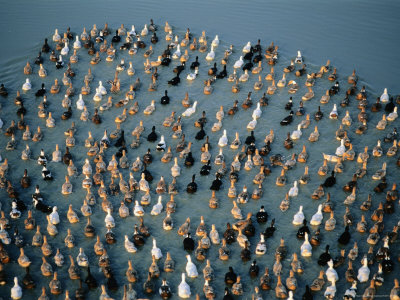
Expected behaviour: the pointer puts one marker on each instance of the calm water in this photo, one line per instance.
(359, 35)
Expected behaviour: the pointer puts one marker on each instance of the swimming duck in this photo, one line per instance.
(330, 224)
(382, 123)
(379, 174)
(306, 249)
(392, 115)
(66, 187)
(211, 55)
(318, 283)
(16, 290)
(23, 260)
(190, 111)
(156, 252)
(331, 273)
(317, 217)
(345, 236)
(364, 271)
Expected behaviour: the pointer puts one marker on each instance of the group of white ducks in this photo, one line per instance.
(344, 151)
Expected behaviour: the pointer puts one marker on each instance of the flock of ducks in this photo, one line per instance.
(137, 190)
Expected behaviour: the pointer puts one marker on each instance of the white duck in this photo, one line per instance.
(177, 54)
(190, 110)
(299, 58)
(16, 290)
(133, 31)
(97, 96)
(334, 113)
(211, 55)
(247, 48)
(363, 272)
(129, 246)
(261, 248)
(156, 252)
(80, 104)
(145, 31)
(341, 149)
(330, 291)
(296, 134)
(27, 85)
(192, 76)
(317, 217)
(294, 190)
(184, 288)
(54, 216)
(252, 124)
(109, 219)
(239, 63)
(157, 208)
(223, 140)
(65, 50)
(331, 273)
(298, 217)
(257, 112)
(56, 36)
(77, 43)
(393, 115)
(175, 169)
(138, 210)
(191, 269)
(102, 89)
(306, 249)
(215, 42)
(385, 96)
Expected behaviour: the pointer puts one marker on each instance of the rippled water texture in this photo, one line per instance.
(358, 34)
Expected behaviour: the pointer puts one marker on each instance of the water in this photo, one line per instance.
(359, 35)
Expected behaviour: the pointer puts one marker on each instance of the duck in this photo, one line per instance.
(334, 114)
(319, 114)
(192, 186)
(298, 218)
(157, 208)
(364, 271)
(347, 119)
(345, 236)
(382, 123)
(296, 134)
(385, 96)
(306, 249)
(190, 110)
(379, 174)
(66, 187)
(294, 190)
(16, 290)
(184, 288)
(191, 269)
(23, 260)
(287, 120)
(211, 55)
(317, 217)
(155, 251)
(393, 115)
(330, 181)
(331, 274)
